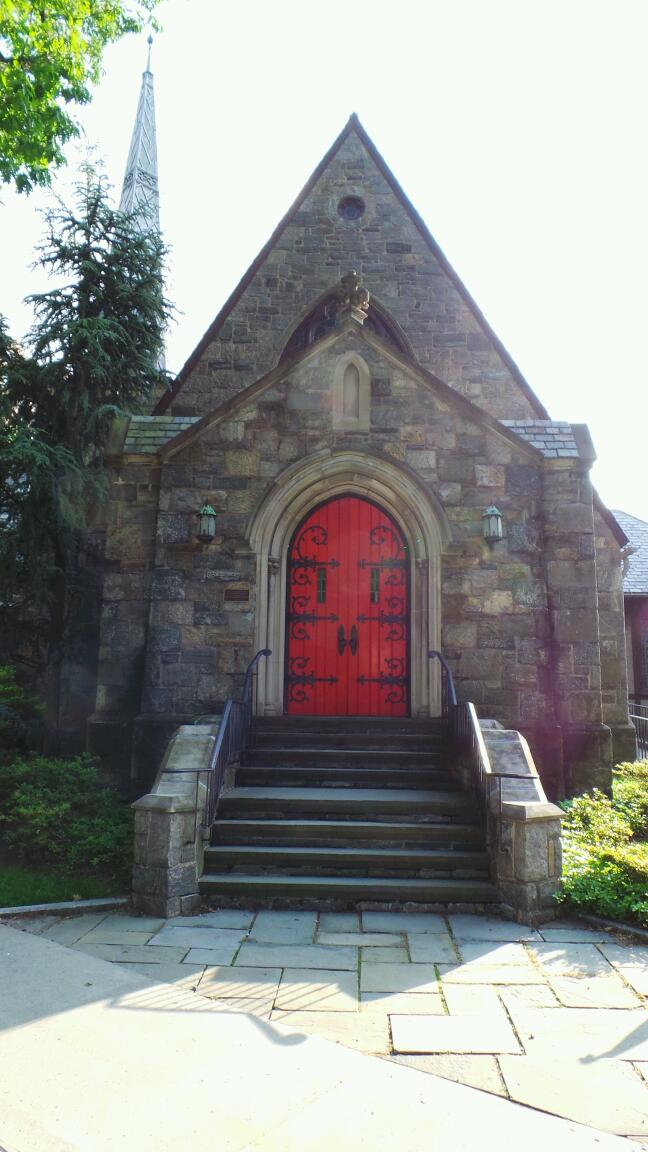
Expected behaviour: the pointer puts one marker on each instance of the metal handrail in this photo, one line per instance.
(230, 740)
(638, 714)
(448, 694)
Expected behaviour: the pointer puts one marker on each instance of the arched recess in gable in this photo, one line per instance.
(320, 320)
(426, 530)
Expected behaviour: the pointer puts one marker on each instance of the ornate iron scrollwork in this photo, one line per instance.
(299, 679)
(395, 618)
(394, 680)
(298, 619)
(299, 562)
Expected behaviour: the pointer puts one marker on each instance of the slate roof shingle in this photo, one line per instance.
(635, 581)
(148, 433)
(551, 437)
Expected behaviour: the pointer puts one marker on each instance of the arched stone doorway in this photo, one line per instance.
(347, 613)
(425, 530)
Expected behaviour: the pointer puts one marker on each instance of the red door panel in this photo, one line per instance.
(348, 613)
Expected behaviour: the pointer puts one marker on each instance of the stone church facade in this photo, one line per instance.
(389, 391)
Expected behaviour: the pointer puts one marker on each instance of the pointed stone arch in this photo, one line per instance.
(426, 530)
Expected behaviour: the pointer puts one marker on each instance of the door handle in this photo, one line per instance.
(341, 643)
(353, 640)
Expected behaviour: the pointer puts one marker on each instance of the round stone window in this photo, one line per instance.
(351, 207)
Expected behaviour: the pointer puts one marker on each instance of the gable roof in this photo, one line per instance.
(635, 580)
(168, 434)
(352, 125)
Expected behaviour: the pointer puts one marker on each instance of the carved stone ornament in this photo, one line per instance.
(352, 298)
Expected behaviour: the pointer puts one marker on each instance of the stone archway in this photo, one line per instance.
(425, 528)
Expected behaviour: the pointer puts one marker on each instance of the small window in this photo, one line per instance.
(351, 392)
(351, 207)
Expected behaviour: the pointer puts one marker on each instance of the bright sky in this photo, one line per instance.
(516, 127)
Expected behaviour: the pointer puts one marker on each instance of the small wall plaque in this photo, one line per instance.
(237, 595)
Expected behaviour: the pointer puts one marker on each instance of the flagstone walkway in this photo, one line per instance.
(556, 1019)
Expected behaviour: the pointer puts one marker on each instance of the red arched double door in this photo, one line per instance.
(348, 613)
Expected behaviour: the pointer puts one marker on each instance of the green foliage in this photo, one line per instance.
(22, 885)
(605, 868)
(56, 812)
(50, 54)
(631, 795)
(16, 707)
(93, 354)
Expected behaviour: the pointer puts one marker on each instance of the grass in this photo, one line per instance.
(22, 885)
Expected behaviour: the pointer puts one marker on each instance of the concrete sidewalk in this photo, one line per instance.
(95, 1056)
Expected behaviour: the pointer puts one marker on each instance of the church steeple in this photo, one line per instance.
(140, 192)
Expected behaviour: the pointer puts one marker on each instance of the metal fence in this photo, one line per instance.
(639, 717)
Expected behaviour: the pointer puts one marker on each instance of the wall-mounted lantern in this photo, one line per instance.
(206, 524)
(492, 520)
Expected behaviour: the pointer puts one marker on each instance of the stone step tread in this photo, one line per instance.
(356, 887)
(386, 777)
(355, 754)
(347, 827)
(357, 795)
(354, 857)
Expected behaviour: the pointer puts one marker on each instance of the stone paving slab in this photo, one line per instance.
(526, 996)
(404, 922)
(590, 1035)
(356, 1030)
(297, 956)
(607, 1095)
(593, 992)
(173, 937)
(284, 927)
(132, 954)
(571, 959)
(563, 933)
(485, 974)
(182, 975)
(476, 1071)
(252, 983)
(480, 952)
(404, 1003)
(222, 918)
(303, 990)
(100, 935)
(250, 1006)
(632, 957)
(361, 939)
(398, 955)
(466, 927)
(472, 1000)
(210, 957)
(398, 978)
(431, 949)
(637, 978)
(339, 922)
(118, 922)
(73, 928)
(470, 1034)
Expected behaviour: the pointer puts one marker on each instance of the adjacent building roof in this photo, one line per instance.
(146, 434)
(551, 437)
(635, 580)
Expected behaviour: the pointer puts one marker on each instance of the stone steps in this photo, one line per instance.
(347, 891)
(370, 861)
(408, 803)
(315, 775)
(346, 833)
(339, 812)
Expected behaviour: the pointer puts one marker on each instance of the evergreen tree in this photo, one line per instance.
(92, 355)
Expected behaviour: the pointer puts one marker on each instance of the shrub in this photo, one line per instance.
(56, 812)
(16, 707)
(630, 791)
(605, 868)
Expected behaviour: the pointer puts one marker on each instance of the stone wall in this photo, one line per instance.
(314, 250)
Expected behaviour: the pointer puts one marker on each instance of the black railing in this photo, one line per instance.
(230, 740)
(448, 694)
(639, 717)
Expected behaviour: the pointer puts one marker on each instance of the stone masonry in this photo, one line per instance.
(532, 626)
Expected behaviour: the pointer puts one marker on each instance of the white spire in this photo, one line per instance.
(140, 193)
